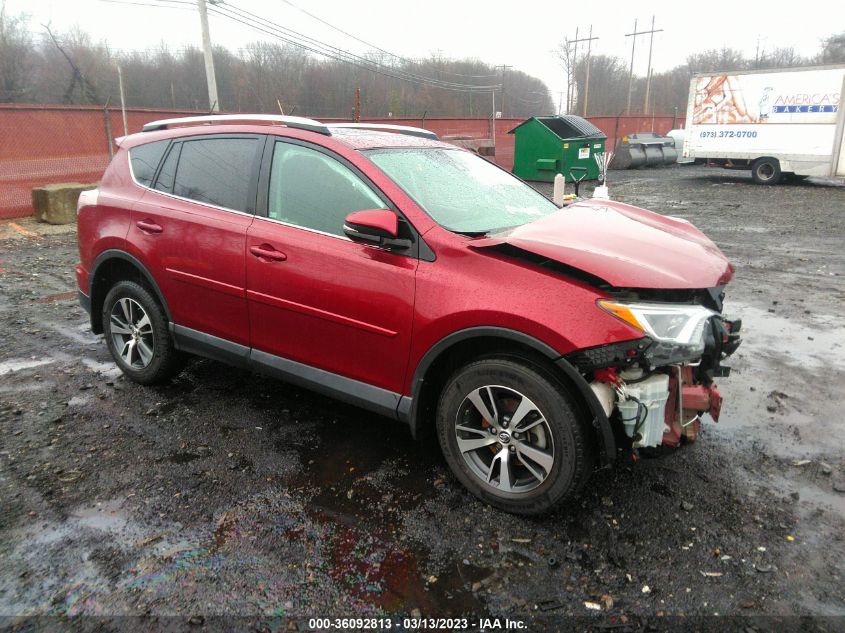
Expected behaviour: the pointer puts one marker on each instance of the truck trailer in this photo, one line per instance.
(777, 123)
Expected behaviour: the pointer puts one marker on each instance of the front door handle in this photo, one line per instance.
(266, 252)
(148, 226)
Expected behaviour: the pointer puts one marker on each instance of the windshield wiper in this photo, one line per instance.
(471, 233)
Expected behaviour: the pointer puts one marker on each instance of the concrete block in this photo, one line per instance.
(56, 204)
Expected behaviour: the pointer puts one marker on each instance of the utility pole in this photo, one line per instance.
(504, 68)
(759, 54)
(493, 120)
(648, 74)
(572, 74)
(571, 93)
(357, 109)
(631, 72)
(633, 48)
(587, 72)
(122, 99)
(213, 102)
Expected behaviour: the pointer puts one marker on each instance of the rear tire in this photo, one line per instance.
(766, 171)
(137, 335)
(512, 436)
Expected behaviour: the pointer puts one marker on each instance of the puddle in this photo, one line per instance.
(108, 369)
(364, 474)
(11, 366)
(183, 457)
(820, 346)
(778, 396)
(364, 463)
(83, 336)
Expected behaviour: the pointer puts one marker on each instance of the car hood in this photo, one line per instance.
(625, 246)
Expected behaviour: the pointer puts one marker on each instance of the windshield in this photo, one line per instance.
(461, 191)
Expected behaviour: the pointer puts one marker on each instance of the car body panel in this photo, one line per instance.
(468, 287)
(104, 224)
(331, 303)
(625, 246)
(198, 260)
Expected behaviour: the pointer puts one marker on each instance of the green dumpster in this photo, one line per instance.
(550, 145)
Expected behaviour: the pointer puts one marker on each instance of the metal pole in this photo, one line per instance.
(107, 118)
(648, 73)
(504, 68)
(493, 121)
(213, 102)
(631, 73)
(122, 100)
(568, 87)
(356, 109)
(587, 78)
(652, 114)
(574, 74)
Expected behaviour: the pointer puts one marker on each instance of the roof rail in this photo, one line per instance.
(298, 122)
(387, 127)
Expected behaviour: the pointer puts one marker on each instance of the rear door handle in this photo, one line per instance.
(267, 252)
(148, 226)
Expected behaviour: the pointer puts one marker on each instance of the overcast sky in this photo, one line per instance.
(496, 32)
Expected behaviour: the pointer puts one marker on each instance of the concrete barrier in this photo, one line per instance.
(56, 204)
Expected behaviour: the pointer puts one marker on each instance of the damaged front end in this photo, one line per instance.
(655, 389)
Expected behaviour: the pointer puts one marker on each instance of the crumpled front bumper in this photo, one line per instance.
(690, 390)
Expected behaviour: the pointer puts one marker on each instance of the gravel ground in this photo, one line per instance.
(225, 493)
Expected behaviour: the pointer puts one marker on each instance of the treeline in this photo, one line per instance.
(609, 76)
(70, 68)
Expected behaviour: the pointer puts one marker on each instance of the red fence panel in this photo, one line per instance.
(40, 145)
(49, 144)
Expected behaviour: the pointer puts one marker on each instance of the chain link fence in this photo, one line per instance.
(48, 144)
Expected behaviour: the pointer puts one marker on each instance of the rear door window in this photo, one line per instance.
(217, 171)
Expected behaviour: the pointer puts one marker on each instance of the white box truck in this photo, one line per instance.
(776, 123)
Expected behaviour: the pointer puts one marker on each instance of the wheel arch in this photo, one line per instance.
(110, 267)
(458, 348)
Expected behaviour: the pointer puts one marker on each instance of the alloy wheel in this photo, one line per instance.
(132, 333)
(505, 439)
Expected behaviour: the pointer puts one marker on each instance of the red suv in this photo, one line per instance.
(385, 268)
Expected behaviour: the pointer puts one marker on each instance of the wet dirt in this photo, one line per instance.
(227, 493)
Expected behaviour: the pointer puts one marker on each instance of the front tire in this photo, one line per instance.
(135, 328)
(512, 436)
(766, 171)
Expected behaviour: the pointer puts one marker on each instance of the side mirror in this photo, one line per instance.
(378, 227)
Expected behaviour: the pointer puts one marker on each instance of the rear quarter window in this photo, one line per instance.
(145, 159)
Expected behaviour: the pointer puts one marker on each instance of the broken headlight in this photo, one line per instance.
(677, 329)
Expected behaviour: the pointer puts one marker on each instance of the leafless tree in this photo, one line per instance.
(17, 57)
(833, 49)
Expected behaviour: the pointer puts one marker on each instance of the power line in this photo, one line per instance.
(378, 48)
(334, 50)
(140, 3)
(318, 47)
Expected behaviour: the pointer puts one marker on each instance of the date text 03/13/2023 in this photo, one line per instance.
(416, 624)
